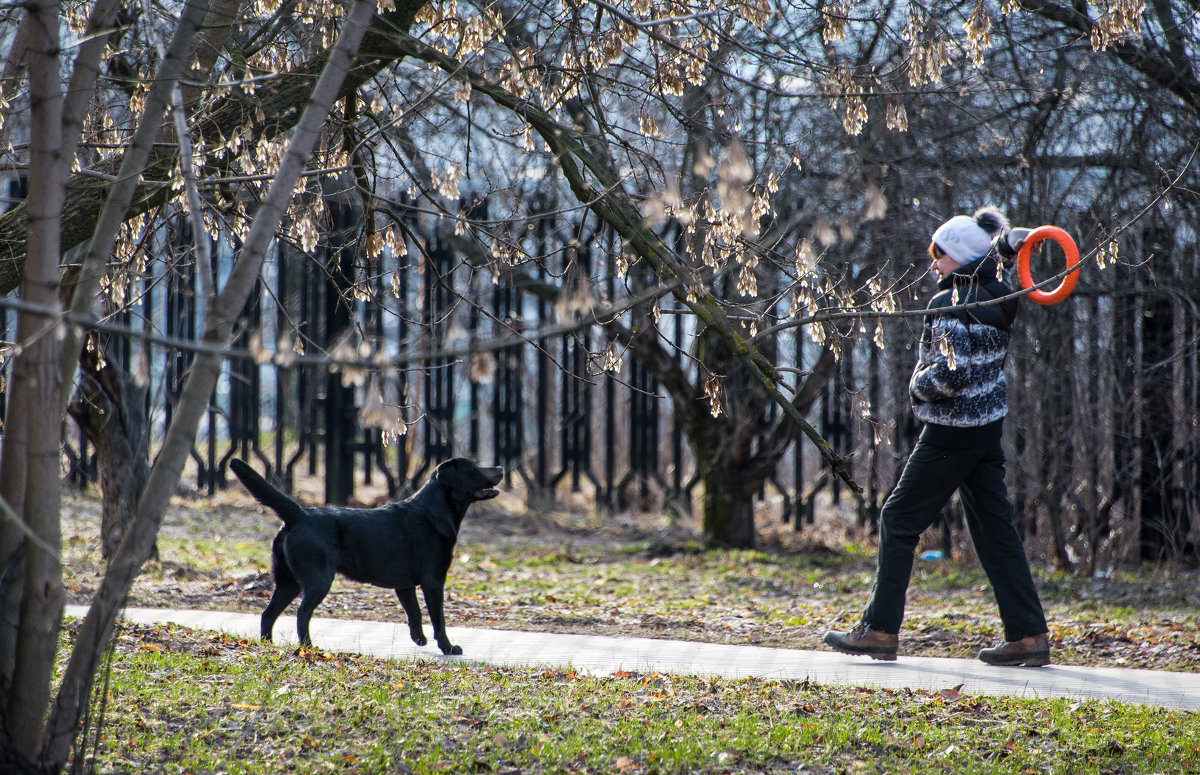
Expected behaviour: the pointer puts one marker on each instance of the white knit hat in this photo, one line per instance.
(963, 239)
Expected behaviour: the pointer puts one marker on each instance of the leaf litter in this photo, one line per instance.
(564, 572)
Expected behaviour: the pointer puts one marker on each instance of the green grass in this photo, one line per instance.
(179, 701)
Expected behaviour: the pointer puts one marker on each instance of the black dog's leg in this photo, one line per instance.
(437, 618)
(286, 589)
(283, 595)
(313, 595)
(408, 601)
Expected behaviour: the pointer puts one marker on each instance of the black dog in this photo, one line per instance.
(400, 546)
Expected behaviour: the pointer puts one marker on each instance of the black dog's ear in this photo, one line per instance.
(446, 468)
(453, 465)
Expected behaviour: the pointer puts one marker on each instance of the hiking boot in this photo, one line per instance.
(1033, 651)
(864, 641)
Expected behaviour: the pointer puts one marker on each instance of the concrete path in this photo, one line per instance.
(604, 655)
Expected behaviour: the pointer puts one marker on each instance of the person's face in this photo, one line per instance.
(941, 261)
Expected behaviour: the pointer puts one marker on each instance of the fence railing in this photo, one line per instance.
(542, 406)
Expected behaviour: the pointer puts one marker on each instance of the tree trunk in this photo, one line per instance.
(29, 473)
(110, 407)
(1162, 531)
(44, 370)
(728, 519)
(1059, 479)
(10, 76)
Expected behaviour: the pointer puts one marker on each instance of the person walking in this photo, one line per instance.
(958, 391)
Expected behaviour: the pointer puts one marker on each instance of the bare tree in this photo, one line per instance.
(27, 690)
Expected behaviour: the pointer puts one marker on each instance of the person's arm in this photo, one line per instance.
(944, 368)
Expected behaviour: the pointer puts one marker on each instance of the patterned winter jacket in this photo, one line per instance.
(958, 388)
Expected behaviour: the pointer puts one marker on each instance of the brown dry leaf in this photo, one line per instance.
(952, 695)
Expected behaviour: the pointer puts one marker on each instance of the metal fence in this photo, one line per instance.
(543, 407)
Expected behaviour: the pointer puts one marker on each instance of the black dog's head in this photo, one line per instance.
(467, 481)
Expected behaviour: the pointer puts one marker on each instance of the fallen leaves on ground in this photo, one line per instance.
(621, 581)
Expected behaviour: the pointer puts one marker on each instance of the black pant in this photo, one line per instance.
(930, 477)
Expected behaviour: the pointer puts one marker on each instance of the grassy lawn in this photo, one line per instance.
(179, 701)
(567, 572)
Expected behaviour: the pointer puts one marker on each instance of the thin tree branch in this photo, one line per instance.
(95, 261)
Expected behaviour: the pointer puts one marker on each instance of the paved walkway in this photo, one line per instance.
(603, 655)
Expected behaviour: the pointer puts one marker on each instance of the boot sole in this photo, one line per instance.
(1029, 659)
(883, 655)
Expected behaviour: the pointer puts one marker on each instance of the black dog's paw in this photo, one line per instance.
(419, 638)
(450, 649)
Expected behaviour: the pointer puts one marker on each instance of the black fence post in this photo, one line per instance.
(340, 410)
(473, 403)
(643, 435)
(542, 205)
(210, 478)
(508, 395)
(179, 310)
(403, 461)
(4, 367)
(374, 452)
(608, 498)
(576, 404)
(439, 371)
(245, 388)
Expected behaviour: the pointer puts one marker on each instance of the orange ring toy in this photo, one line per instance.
(1067, 244)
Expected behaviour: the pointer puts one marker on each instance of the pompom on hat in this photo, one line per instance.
(967, 237)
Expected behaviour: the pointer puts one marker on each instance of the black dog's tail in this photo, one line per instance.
(287, 509)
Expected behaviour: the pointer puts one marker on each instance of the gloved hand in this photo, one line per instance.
(1008, 243)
